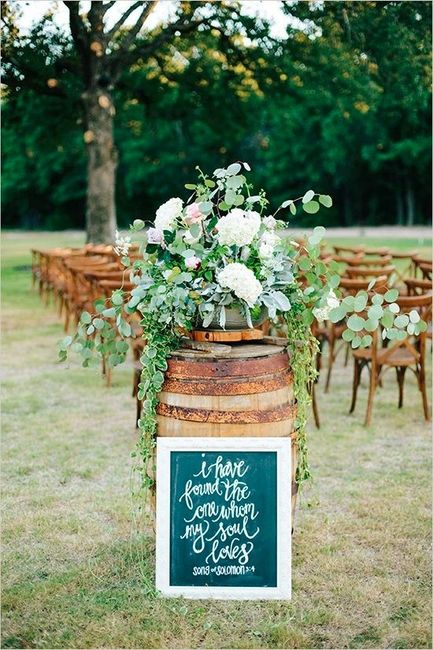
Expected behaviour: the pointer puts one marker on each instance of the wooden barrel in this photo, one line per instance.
(248, 392)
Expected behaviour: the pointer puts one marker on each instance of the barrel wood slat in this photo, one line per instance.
(248, 393)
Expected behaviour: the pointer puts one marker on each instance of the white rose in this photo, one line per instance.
(322, 313)
(167, 214)
(242, 281)
(238, 227)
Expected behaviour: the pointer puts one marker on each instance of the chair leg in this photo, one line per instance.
(314, 405)
(138, 412)
(371, 392)
(423, 389)
(356, 380)
(400, 379)
(136, 381)
(67, 316)
(330, 363)
(61, 302)
(346, 355)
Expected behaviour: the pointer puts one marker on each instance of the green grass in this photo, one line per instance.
(75, 574)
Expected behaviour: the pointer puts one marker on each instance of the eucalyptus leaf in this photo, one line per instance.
(117, 298)
(325, 200)
(348, 335)
(85, 318)
(414, 316)
(401, 321)
(311, 207)
(308, 196)
(375, 312)
(222, 317)
(334, 281)
(377, 299)
(337, 314)
(387, 319)
(391, 295)
(360, 302)
(233, 169)
(371, 324)
(356, 323)
(411, 328)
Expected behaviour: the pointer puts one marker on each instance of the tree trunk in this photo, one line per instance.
(101, 167)
(410, 203)
(400, 209)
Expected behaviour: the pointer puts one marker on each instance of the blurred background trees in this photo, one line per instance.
(342, 104)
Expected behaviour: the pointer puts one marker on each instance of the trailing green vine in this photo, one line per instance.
(160, 343)
(302, 347)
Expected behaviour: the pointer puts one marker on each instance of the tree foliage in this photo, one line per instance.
(342, 104)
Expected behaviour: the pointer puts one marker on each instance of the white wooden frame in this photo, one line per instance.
(282, 446)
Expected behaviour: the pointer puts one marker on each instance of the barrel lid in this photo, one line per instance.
(237, 351)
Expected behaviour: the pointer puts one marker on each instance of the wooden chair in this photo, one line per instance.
(401, 355)
(426, 269)
(422, 267)
(384, 250)
(76, 291)
(416, 287)
(354, 250)
(333, 332)
(361, 272)
(344, 259)
(379, 262)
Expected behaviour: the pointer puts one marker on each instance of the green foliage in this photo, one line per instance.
(342, 103)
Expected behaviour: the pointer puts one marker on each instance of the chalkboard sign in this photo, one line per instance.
(224, 517)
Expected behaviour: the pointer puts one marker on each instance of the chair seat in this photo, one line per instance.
(400, 357)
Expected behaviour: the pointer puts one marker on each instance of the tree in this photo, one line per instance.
(104, 52)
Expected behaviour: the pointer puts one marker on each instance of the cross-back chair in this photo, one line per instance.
(76, 289)
(401, 355)
(353, 250)
(373, 250)
(422, 267)
(363, 262)
(369, 272)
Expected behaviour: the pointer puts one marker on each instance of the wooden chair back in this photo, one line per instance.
(354, 250)
(351, 286)
(377, 251)
(416, 286)
(369, 272)
(366, 262)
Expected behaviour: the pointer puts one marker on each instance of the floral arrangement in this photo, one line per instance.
(221, 250)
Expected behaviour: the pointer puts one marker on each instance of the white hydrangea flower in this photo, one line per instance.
(167, 214)
(322, 313)
(122, 244)
(238, 227)
(268, 242)
(242, 281)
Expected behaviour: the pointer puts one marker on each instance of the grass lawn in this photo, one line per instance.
(75, 575)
